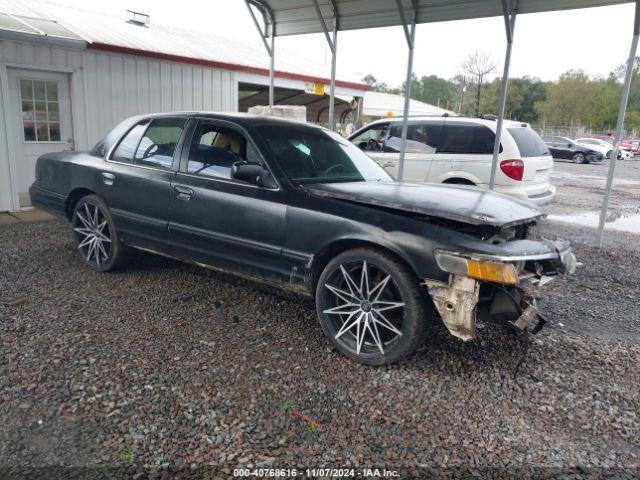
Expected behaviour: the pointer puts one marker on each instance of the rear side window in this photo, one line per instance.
(529, 142)
(421, 138)
(476, 139)
(152, 144)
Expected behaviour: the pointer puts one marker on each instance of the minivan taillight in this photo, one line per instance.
(513, 168)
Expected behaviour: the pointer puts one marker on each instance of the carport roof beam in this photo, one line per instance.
(621, 113)
(295, 17)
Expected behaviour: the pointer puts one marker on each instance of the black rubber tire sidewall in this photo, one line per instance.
(416, 312)
(116, 247)
(577, 156)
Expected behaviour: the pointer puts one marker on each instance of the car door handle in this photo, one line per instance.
(388, 164)
(183, 193)
(108, 178)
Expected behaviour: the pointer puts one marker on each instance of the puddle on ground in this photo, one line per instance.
(614, 220)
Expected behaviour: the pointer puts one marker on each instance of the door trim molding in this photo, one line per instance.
(221, 237)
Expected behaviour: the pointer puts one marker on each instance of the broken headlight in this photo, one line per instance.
(488, 271)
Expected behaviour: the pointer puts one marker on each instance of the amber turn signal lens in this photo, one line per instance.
(494, 272)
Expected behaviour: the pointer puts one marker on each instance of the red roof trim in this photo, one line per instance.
(223, 65)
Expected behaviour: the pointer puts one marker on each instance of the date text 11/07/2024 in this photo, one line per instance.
(316, 472)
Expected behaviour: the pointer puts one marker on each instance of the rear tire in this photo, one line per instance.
(578, 158)
(95, 235)
(608, 155)
(371, 307)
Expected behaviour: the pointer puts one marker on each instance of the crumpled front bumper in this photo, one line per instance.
(465, 301)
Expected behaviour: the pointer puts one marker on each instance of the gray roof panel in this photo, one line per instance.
(293, 17)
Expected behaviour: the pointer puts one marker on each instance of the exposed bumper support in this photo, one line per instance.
(464, 300)
(456, 305)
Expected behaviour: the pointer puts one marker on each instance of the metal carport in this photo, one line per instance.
(295, 17)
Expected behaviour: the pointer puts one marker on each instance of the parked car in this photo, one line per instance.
(567, 149)
(603, 147)
(459, 150)
(301, 208)
(632, 145)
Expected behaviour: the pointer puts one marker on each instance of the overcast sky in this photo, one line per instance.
(546, 45)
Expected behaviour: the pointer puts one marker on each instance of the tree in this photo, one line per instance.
(566, 101)
(476, 67)
(491, 97)
(377, 86)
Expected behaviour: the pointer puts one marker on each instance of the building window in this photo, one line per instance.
(40, 110)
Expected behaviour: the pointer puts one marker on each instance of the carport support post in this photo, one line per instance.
(509, 24)
(332, 86)
(621, 113)
(410, 35)
(333, 47)
(263, 35)
(272, 66)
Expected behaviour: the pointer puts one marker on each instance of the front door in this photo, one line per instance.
(224, 222)
(41, 123)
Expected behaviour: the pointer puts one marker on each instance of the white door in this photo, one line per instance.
(41, 123)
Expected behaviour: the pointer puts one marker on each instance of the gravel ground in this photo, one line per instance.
(163, 366)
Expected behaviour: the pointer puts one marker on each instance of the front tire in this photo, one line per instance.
(608, 155)
(371, 307)
(95, 235)
(578, 158)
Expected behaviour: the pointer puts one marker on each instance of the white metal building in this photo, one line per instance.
(68, 75)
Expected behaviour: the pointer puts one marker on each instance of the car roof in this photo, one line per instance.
(244, 119)
(451, 119)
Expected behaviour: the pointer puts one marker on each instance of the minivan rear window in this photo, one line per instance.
(529, 142)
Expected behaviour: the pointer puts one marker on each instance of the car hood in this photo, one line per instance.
(462, 203)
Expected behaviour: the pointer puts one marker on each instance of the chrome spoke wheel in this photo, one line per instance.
(363, 308)
(92, 234)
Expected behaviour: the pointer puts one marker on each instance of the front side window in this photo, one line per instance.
(151, 144)
(215, 149)
(313, 155)
(372, 138)
(476, 139)
(40, 110)
(421, 138)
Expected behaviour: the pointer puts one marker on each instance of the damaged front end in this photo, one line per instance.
(493, 288)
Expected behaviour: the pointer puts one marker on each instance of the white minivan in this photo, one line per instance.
(460, 150)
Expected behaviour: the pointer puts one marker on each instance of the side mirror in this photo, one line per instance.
(568, 145)
(254, 173)
(362, 145)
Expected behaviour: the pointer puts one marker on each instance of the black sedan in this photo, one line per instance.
(299, 207)
(566, 149)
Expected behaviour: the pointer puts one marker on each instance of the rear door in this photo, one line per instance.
(422, 142)
(135, 180)
(562, 148)
(221, 221)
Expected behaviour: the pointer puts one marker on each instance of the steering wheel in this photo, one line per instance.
(372, 144)
(337, 166)
(150, 151)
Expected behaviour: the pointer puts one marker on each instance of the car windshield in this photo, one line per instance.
(314, 155)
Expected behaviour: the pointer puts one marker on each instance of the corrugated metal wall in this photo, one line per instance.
(109, 87)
